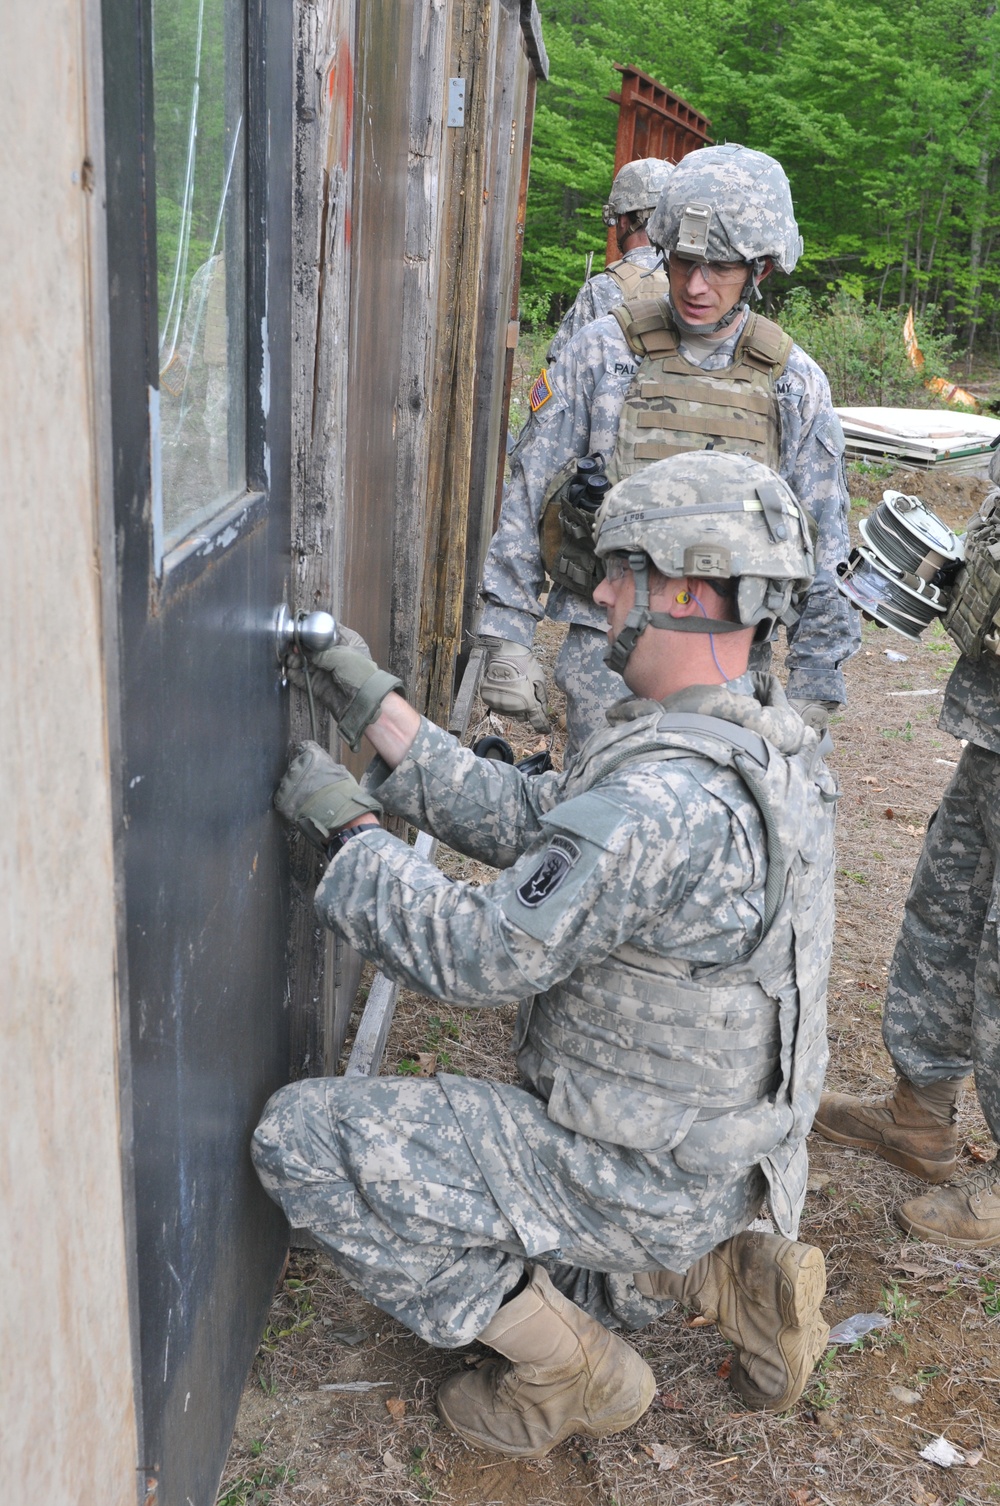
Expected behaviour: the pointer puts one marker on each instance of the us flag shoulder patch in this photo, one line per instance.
(540, 392)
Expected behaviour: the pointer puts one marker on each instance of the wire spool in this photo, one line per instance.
(901, 576)
(867, 586)
(907, 534)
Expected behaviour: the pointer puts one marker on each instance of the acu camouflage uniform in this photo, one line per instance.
(671, 1058)
(620, 282)
(589, 384)
(942, 1009)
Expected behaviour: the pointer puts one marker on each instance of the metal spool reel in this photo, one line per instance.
(901, 576)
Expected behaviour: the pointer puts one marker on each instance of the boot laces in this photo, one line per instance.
(985, 1182)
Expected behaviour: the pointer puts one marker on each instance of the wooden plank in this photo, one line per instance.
(531, 25)
(527, 129)
(462, 710)
(324, 972)
(419, 350)
(462, 185)
(499, 264)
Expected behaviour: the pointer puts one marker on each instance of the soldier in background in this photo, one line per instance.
(692, 370)
(942, 1005)
(634, 195)
(668, 904)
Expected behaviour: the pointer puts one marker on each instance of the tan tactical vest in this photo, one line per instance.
(723, 1065)
(673, 405)
(638, 282)
(973, 617)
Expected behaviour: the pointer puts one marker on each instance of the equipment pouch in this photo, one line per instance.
(566, 535)
(972, 620)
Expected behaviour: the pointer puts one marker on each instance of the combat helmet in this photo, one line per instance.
(637, 188)
(719, 516)
(728, 203)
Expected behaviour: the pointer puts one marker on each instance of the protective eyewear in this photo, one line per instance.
(715, 273)
(615, 566)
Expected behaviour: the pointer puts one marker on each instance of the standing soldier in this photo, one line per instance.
(634, 195)
(668, 906)
(694, 370)
(942, 1004)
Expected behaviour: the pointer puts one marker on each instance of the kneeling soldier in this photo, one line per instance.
(667, 906)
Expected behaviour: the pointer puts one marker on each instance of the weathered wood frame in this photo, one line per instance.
(458, 242)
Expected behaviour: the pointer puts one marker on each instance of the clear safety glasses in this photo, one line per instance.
(716, 273)
(615, 566)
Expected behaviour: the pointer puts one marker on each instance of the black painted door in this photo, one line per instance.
(198, 124)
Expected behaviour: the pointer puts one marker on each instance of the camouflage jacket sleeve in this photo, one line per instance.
(588, 385)
(598, 296)
(660, 863)
(587, 306)
(812, 462)
(485, 809)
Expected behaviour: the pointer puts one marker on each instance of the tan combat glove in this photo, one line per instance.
(513, 683)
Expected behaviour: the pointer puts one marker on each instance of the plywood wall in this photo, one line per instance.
(66, 1388)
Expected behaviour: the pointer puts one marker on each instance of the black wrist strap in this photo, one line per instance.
(345, 834)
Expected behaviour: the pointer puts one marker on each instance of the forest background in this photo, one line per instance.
(884, 114)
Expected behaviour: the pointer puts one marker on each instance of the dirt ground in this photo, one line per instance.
(339, 1408)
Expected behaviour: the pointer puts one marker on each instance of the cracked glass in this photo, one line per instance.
(199, 90)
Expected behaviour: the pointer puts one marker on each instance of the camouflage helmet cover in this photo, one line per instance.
(706, 513)
(728, 203)
(637, 187)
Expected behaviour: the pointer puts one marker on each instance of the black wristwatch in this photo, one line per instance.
(345, 834)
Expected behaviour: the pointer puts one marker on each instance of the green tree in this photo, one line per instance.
(884, 113)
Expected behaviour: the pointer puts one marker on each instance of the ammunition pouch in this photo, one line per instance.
(972, 620)
(566, 537)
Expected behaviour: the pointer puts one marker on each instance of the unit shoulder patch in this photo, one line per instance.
(540, 392)
(560, 856)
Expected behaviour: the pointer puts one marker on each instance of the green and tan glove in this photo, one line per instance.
(319, 796)
(513, 683)
(348, 682)
(815, 714)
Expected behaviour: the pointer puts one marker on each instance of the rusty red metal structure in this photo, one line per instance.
(653, 121)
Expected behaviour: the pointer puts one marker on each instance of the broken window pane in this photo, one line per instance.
(198, 103)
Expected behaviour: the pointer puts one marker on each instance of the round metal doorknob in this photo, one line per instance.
(305, 632)
(316, 631)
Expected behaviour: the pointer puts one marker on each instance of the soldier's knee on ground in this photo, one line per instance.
(292, 1146)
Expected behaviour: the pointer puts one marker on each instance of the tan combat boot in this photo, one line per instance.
(764, 1293)
(564, 1373)
(913, 1127)
(967, 1216)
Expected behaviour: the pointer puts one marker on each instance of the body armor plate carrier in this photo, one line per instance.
(673, 405)
(973, 618)
(638, 282)
(721, 1065)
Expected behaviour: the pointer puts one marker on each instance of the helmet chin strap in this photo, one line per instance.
(640, 618)
(750, 290)
(707, 329)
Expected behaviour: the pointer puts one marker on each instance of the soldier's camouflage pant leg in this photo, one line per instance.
(942, 1013)
(382, 1173)
(589, 685)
